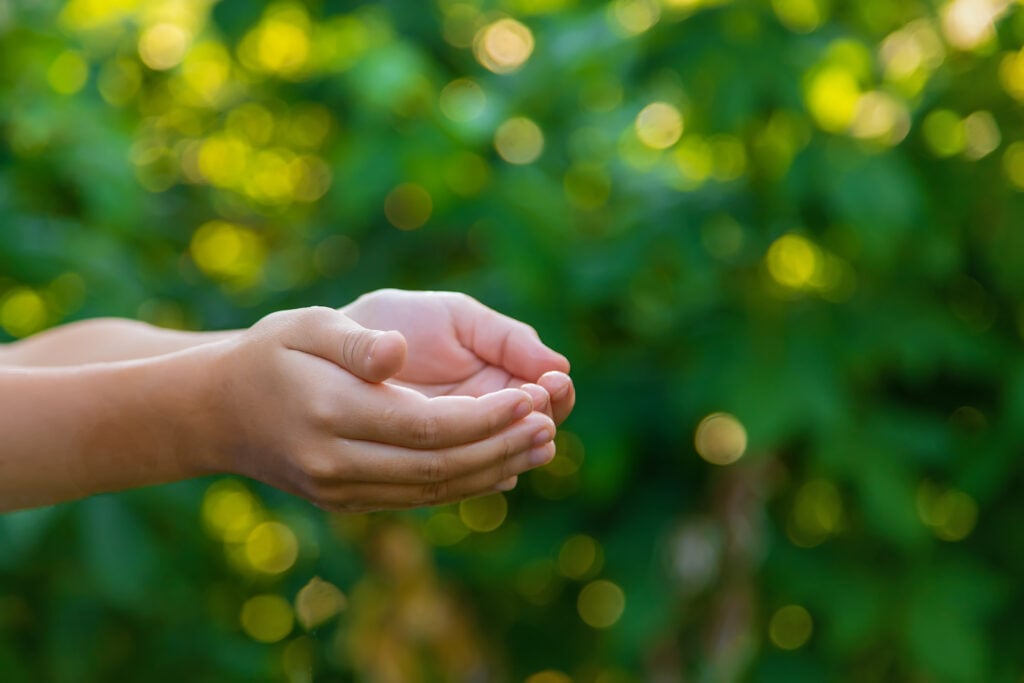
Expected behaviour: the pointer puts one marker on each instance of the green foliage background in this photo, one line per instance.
(872, 355)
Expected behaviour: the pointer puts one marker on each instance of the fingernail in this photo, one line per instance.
(562, 387)
(543, 436)
(541, 455)
(374, 339)
(523, 408)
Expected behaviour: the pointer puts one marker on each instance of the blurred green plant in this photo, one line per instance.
(778, 238)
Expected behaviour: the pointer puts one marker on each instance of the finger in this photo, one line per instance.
(377, 496)
(371, 355)
(399, 416)
(541, 399)
(368, 462)
(562, 392)
(508, 484)
(503, 341)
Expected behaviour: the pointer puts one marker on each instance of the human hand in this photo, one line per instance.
(459, 347)
(296, 419)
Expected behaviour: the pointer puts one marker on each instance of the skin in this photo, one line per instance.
(401, 399)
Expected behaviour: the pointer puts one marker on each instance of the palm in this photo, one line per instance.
(446, 345)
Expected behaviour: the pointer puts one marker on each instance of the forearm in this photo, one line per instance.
(72, 432)
(101, 340)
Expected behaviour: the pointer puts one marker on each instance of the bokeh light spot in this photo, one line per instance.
(466, 173)
(310, 178)
(228, 252)
(206, 70)
(318, 602)
(462, 100)
(832, 97)
(119, 81)
(461, 24)
(790, 627)
(659, 125)
(635, 16)
(445, 528)
(267, 618)
(67, 73)
(1011, 74)
(817, 513)
(982, 136)
(793, 261)
(484, 514)
(272, 548)
(93, 14)
(309, 126)
(503, 46)
(880, 117)
(969, 24)
(728, 158)
(250, 121)
(694, 160)
(951, 514)
(601, 604)
(519, 141)
(163, 46)
(281, 43)
(944, 133)
(801, 16)
(408, 206)
(230, 511)
(720, 439)
(1013, 164)
(23, 312)
(223, 160)
(580, 556)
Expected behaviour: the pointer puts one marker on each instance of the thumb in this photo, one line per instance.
(371, 355)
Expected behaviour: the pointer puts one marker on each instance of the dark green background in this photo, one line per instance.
(895, 384)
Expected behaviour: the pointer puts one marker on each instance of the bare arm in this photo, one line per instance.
(101, 340)
(71, 432)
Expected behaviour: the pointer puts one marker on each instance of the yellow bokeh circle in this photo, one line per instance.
(519, 141)
(659, 125)
(720, 439)
(23, 312)
(271, 548)
(163, 46)
(484, 514)
(793, 261)
(601, 604)
(579, 556)
(408, 206)
(267, 618)
(503, 46)
(790, 627)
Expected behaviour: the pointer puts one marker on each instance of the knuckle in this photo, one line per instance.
(508, 451)
(318, 469)
(426, 431)
(435, 468)
(435, 492)
(321, 410)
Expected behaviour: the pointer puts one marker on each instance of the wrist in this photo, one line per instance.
(180, 412)
(202, 403)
